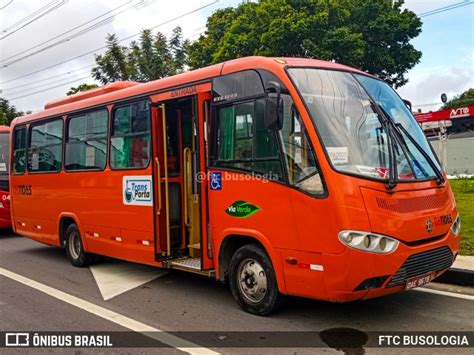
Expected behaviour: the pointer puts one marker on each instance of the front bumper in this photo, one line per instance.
(345, 274)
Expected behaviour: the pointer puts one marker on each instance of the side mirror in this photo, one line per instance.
(273, 106)
(408, 104)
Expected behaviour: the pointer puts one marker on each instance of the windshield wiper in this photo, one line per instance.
(392, 170)
(430, 161)
(398, 126)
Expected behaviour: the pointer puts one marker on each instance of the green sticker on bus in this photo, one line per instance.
(241, 209)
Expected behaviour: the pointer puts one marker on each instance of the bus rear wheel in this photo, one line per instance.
(253, 282)
(75, 249)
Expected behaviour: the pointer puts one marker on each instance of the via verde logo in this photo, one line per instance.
(241, 209)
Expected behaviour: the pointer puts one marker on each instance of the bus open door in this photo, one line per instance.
(180, 184)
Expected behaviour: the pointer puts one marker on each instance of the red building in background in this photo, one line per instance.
(456, 120)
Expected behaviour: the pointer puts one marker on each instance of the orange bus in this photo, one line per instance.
(5, 220)
(281, 176)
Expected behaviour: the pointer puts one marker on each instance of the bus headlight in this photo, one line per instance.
(369, 242)
(456, 226)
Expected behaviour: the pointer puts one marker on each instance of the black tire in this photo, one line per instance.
(250, 260)
(75, 249)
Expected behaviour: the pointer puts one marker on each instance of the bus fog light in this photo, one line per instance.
(369, 242)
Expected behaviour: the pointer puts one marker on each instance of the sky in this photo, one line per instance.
(446, 41)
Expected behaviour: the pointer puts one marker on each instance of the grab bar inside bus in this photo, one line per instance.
(165, 167)
(158, 173)
(187, 154)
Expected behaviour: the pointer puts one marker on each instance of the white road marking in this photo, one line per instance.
(445, 293)
(117, 277)
(117, 318)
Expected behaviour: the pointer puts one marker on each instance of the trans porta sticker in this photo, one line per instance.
(137, 190)
(242, 209)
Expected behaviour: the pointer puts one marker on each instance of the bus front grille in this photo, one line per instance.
(422, 263)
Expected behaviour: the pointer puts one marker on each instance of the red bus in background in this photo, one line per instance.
(5, 219)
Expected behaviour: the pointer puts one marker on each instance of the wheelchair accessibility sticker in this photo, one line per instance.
(216, 181)
(137, 190)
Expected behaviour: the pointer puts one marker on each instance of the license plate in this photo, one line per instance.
(418, 281)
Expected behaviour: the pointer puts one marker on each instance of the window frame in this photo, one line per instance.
(213, 161)
(285, 173)
(28, 144)
(83, 113)
(326, 155)
(12, 149)
(111, 122)
(305, 130)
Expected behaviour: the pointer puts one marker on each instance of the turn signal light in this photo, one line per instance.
(456, 226)
(369, 242)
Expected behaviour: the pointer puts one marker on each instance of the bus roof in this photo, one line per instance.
(4, 129)
(122, 90)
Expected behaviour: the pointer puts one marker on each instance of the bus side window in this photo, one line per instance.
(19, 150)
(86, 146)
(299, 155)
(130, 141)
(45, 151)
(244, 143)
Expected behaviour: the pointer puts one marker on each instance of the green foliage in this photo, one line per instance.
(8, 112)
(462, 100)
(464, 192)
(83, 87)
(372, 35)
(151, 57)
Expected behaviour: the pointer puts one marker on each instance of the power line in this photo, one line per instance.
(53, 82)
(45, 85)
(50, 88)
(103, 47)
(33, 17)
(6, 5)
(64, 40)
(445, 8)
(49, 78)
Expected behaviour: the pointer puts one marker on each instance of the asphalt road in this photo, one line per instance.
(184, 302)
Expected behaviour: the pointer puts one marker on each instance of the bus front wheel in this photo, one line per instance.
(253, 282)
(75, 249)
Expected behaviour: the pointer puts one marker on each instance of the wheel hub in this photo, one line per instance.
(253, 280)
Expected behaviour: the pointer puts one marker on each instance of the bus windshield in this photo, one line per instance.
(353, 133)
(4, 155)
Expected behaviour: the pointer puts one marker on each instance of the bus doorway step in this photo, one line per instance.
(189, 264)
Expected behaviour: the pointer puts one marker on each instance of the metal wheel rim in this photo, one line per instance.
(75, 245)
(252, 280)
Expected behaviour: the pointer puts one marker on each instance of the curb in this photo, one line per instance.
(454, 276)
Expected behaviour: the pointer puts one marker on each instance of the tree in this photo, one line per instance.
(151, 57)
(461, 100)
(8, 112)
(83, 87)
(372, 35)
